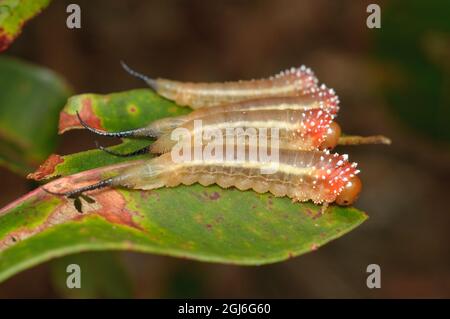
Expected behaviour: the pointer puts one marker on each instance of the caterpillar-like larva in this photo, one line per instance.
(300, 175)
(286, 129)
(292, 82)
(301, 125)
(316, 98)
(322, 101)
(313, 131)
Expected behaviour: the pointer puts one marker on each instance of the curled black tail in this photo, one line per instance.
(150, 82)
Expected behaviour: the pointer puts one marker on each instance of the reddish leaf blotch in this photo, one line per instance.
(5, 40)
(70, 121)
(47, 168)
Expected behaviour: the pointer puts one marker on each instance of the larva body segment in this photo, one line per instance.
(300, 175)
(290, 128)
(293, 82)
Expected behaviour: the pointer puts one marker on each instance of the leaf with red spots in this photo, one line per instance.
(13, 16)
(112, 112)
(30, 100)
(202, 223)
(208, 224)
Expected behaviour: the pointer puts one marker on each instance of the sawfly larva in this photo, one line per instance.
(321, 99)
(318, 176)
(289, 129)
(297, 129)
(292, 82)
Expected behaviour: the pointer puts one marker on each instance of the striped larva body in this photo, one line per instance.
(292, 82)
(321, 99)
(270, 112)
(306, 123)
(300, 175)
(288, 128)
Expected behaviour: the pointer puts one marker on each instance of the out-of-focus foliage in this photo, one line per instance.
(30, 100)
(13, 16)
(414, 44)
(102, 276)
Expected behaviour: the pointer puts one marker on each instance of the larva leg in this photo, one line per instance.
(150, 82)
(324, 208)
(359, 140)
(141, 151)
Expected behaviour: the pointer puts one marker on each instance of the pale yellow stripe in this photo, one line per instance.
(279, 167)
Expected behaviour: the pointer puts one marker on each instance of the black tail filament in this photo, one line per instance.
(150, 82)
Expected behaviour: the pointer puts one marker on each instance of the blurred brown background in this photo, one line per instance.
(405, 185)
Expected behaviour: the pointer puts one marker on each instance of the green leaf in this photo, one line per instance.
(13, 15)
(201, 223)
(30, 100)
